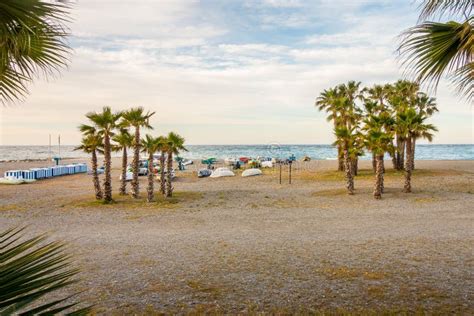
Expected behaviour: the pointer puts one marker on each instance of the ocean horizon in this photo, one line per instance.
(315, 151)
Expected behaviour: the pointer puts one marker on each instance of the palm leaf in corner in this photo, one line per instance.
(31, 269)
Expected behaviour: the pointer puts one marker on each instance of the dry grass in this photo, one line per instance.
(11, 207)
(368, 174)
(127, 202)
(344, 272)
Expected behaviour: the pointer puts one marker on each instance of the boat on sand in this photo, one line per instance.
(222, 172)
(252, 172)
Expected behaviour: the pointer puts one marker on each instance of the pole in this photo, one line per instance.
(50, 148)
(59, 146)
(289, 171)
(280, 171)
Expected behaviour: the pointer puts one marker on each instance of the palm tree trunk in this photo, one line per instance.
(374, 162)
(408, 167)
(383, 174)
(169, 185)
(135, 162)
(162, 173)
(400, 153)
(355, 166)
(95, 177)
(123, 182)
(378, 188)
(108, 165)
(347, 166)
(340, 158)
(413, 145)
(150, 188)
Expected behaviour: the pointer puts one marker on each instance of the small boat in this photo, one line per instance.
(230, 161)
(252, 172)
(222, 172)
(267, 164)
(188, 162)
(203, 173)
(244, 159)
(128, 176)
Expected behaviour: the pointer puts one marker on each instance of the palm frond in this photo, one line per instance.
(30, 270)
(431, 50)
(33, 36)
(430, 8)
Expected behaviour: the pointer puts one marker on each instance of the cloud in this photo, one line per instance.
(233, 73)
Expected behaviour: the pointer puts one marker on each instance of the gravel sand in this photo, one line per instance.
(242, 245)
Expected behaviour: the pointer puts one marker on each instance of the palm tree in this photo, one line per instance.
(92, 144)
(425, 107)
(163, 149)
(137, 118)
(150, 146)
(379, 141)
(345, 138)
(32, 42)
(433, 49)
(414, 126)
(123, 141)
(327, 102)
(105, 122)
(174, 144)
(31, 270)
(402, 97)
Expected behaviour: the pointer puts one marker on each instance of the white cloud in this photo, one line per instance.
(215, 82)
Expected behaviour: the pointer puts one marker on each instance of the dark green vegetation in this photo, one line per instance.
(32, 42)
(30, 269)
(381, 119)
(433, 48)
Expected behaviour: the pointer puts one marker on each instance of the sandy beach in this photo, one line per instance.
(233, 245)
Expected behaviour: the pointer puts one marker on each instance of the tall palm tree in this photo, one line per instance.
(402, 97)
(379, 141)
(92, 144)
(105, 122)
(136, 118)
(123, 141)
(174, 144)
(345, 138)
(433, 49)
(426, 107)
(413, 124)
(32, 42)
(327, 102)
(150, 146)
(163, 149)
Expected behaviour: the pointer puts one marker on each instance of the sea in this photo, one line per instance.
(324, 152)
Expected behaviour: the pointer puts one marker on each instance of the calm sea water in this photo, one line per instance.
(423, 152)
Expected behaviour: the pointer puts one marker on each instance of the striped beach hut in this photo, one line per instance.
(14, 174)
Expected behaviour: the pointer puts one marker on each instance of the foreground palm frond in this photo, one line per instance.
(431, 50)
(448, 7)
(31, 269)
(32, 41)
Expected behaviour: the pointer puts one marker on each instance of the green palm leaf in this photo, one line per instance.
(30, 270)
(32, 42)
(433, 49)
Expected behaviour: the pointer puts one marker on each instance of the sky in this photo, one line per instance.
(223, 72)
